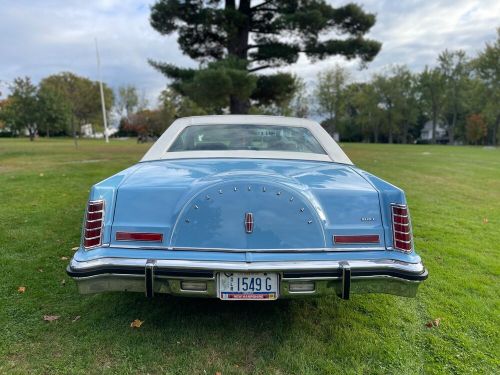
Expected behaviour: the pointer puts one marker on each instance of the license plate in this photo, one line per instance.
(248, 286)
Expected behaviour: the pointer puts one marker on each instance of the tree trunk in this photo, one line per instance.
(389, 118)
(434, 124)
(451, 129)
(31, 132)
(404, 140)
(237, 47)
(375, 133)
(47, 130)
(495, 131)
(73, 125)
(238, 106)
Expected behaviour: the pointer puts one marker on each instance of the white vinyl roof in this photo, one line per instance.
(159, 150)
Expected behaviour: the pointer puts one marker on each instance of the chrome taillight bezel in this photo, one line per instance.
(99, 229)
(397, 223)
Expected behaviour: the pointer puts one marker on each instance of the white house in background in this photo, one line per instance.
(87, 131)
(441, 133)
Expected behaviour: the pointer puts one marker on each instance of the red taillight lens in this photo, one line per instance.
(401, 228)
(92, 235)
(357, 239)
(139, 236)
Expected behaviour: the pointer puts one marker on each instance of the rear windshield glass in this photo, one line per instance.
(246, 137)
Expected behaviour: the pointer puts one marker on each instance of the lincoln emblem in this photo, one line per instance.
(249, 222)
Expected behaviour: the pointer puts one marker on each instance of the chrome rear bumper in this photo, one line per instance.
(327, 277)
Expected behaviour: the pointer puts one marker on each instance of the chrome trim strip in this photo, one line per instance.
(326, 249)
(356, 265)
(400, 215)
(403, 240)
(92, 238)
(93, 221)
(398, 231)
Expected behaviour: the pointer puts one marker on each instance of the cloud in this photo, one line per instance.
(42, 38)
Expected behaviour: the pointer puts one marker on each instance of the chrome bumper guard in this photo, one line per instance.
(342, 278)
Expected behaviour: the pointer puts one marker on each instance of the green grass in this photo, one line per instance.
(451, 191)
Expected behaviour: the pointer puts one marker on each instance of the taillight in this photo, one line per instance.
(139, 236)
(94, 218)
(401, 228)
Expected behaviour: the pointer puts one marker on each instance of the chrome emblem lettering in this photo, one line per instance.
(249, 222)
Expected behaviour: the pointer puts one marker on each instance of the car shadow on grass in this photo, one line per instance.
(189, 333)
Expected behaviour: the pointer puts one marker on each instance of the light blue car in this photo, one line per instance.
(246, 208)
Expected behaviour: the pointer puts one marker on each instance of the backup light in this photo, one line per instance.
(401, 228)
(94, 218)
(197, 286)
(301, 286)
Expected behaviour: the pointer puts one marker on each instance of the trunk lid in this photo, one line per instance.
(206, 204)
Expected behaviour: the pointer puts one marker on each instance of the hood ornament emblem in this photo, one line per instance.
(248, 222)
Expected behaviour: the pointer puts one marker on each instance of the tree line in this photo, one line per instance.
(460, 94)
(235, 44)
(58, 106)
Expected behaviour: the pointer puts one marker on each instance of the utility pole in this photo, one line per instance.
(103, 105)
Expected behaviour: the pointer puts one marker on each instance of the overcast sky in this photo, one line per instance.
(38, 38)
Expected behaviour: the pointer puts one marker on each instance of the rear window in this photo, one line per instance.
(246, 137)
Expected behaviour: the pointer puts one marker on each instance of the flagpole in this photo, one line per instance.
(103, 105)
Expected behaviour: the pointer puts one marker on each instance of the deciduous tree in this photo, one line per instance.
(487, 68)
(431, 82)
(22, 111)
(455, 68)
(476, 129)
(82, 95)
(330, 94)
(128, 100)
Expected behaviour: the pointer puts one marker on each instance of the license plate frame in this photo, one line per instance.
(231, 286)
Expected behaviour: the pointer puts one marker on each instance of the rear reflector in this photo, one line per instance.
(401, 228)
(92, 234)
(357, 239)
(138, 236)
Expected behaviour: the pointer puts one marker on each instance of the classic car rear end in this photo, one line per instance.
(265, 218)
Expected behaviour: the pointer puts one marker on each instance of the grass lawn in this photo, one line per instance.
(454, 197)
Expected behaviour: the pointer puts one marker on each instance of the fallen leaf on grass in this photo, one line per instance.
(485, 220)
(433, 323)
(76, 318)
(50, 318)
(40, 270)
(74, 248)
(136, 323)
(64, 258)
(63, 282)
(218, 373)
(21, 289)
(41, 174)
